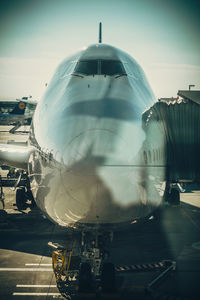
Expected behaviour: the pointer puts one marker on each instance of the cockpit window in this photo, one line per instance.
(100, 67)
(109, 67)
(89, 67)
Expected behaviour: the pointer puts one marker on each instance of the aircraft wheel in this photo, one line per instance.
(31, 198)
(20, 198)
(85, 278)
(174, 197)
(108, 277)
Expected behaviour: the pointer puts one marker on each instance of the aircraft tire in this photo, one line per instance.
(174, 197)
(85, 278)
(108, 277)
(20, 198)
(31, 198)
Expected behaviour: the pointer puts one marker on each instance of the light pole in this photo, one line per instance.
(191, 85)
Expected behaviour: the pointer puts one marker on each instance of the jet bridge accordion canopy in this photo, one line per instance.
(180, 119)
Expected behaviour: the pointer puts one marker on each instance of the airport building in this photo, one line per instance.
(186, 95)
(193, 96)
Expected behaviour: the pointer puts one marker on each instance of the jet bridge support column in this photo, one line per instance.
(2, 204)
(172, 193)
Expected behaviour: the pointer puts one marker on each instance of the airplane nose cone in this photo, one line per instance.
(93, 169)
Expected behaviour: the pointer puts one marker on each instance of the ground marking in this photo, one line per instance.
(38, 264)
(35, 285)
(36, 294)
(25, 270)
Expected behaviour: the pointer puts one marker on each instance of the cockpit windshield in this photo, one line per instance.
(89, 67)
(109, 67)
(99, 67)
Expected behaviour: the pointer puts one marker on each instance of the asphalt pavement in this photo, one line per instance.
(138, 253)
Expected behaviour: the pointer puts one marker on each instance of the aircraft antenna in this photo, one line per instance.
(100, 32)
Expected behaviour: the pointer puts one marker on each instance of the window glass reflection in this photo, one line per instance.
(100, 67)
(86, 67)
(112, 68)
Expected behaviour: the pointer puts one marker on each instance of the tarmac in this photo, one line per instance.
(138, 253)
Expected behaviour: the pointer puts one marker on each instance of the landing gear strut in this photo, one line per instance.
(2, 204)
(172, 195)
(23, 193)
(95, 255)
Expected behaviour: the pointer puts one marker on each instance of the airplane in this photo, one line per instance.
(88, 158)
(13, 112)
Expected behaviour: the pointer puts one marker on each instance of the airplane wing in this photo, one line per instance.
(7, 119)
(15, 156)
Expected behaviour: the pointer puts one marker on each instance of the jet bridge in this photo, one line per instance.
(180, 119)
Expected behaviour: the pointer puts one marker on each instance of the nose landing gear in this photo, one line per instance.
(84, 269)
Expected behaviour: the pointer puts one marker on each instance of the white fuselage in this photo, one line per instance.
(90, 165)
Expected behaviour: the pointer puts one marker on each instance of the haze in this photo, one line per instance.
(163, 36)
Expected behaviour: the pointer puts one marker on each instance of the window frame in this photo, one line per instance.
(99, 67)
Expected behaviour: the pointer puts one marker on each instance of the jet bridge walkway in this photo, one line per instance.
(180, 121)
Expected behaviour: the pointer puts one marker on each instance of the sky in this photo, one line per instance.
(36, 35)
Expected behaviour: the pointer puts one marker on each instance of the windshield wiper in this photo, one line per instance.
(77, 75)
(119, 75)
